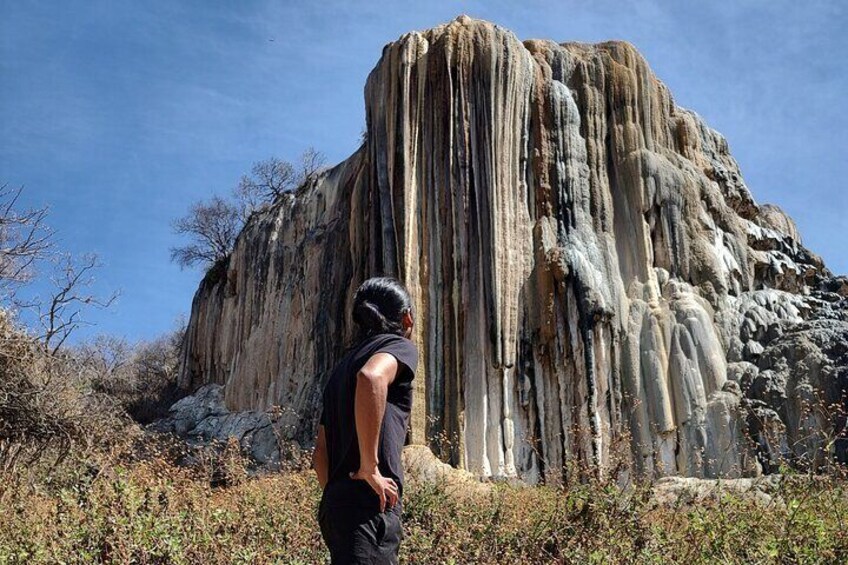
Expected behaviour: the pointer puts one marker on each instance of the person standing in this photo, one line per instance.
(366, 406)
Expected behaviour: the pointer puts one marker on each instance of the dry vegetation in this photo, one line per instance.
(154, 512)
(80, 482)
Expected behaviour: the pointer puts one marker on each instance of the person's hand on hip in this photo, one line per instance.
(385, 488)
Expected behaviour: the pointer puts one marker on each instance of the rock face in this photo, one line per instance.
(421, 465)
(203, 418)
(593, 283)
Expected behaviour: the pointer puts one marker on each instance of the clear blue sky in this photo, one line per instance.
(119, 114)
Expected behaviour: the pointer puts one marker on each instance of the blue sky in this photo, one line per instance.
(120, 114)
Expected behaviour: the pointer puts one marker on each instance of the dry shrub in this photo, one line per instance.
(141, 377)
(155, 512)
(47, 411)
(122, 496)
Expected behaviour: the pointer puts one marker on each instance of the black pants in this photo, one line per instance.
(353, 527)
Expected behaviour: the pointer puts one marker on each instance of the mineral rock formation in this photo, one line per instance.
(422, 466)
(593, 283)
(679, 492)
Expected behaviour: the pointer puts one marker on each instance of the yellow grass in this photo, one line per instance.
(154, 512)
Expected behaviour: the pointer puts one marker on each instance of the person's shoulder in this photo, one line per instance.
(397, 340)
(404, 349)
(394, 337)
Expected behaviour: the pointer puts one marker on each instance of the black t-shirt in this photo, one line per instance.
(338, 416)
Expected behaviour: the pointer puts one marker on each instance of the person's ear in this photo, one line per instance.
(406, 320)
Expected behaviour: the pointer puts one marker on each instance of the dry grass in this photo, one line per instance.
(79, 483)
(155, 512)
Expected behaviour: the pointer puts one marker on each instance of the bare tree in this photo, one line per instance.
(311, 163)
(24, 240)
(61, 314)
(213, 227)
(141, 377)
(159, 359)
(107, 354)
(270, 179)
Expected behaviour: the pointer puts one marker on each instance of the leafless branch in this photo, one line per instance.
(311, 164)
(213, 227)
(61, 314)
(271, 179)
(268, 180)
(24, 239)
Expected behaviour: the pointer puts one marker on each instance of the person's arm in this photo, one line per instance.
(372, 384)
(320, 461)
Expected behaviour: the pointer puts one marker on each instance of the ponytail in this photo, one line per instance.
(379, 305)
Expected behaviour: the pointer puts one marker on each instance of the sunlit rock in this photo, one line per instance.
(593, 283)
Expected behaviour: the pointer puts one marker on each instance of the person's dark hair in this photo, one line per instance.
(379, 305)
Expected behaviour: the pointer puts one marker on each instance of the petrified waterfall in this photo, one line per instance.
(592, 280)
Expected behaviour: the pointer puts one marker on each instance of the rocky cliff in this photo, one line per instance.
(592, 281)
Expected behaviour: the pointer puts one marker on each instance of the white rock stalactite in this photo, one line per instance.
(592, 282)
